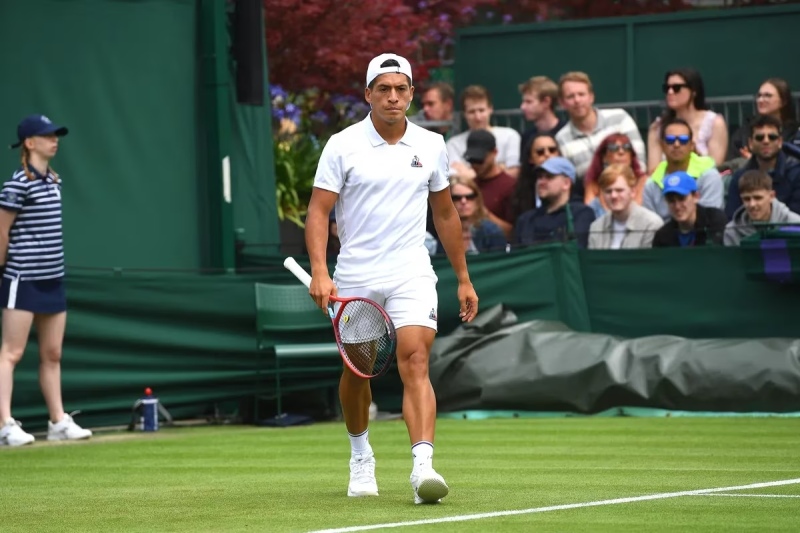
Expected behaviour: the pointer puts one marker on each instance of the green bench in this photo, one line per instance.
(295, 351)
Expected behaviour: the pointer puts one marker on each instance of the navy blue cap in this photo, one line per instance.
(680, 183)
(35, 125)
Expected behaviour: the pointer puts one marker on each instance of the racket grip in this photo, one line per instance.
(293, 267)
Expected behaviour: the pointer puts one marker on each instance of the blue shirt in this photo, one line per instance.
(36, 244)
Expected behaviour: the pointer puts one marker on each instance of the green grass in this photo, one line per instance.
(276, 480)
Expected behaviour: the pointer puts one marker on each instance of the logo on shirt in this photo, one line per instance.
(432, 316)
(9, 197)
(415, 162)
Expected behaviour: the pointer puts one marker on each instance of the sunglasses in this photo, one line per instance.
(759, 137)
(683, 139)
(459, 197)
(547, 149)
(674, 87)
(616, 147)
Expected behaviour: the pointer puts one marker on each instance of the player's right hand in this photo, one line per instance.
(321, 289)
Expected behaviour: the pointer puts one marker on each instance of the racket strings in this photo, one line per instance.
(367, 338)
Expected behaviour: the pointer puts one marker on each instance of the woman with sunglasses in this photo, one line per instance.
(685, 97)
(479, 233)
(616, 149)
(542, 147)
(774, 98)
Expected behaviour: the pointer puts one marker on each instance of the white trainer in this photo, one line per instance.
(12, 434)
(67, 429)
(362, 477)
(429, 487)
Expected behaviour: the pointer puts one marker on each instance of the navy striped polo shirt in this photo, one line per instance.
(36, 244)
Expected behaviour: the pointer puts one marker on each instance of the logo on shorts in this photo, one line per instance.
(432, 316)
(415, 162)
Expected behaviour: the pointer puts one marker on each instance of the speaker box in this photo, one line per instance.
(248, 51)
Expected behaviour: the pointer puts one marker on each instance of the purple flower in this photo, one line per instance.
(276, 91)
(469, 11)
(507, 19)
(490, 14)
(422, 5)
(319, 116)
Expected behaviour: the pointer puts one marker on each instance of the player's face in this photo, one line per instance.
(44, 146)
(389, 97)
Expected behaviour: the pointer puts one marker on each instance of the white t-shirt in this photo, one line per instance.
(383, 201)
(619, 229)
(507, 140)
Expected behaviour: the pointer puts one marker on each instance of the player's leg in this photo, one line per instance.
(50, 328)
(355, 396)
(413, 308)
(16, 328)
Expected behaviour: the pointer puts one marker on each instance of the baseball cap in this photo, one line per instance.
(558, 166)
(479, 144)
(379, 66)
(679, 183)
(34, 125)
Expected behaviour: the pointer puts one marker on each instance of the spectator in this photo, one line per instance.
(480, 234)
(686, 99)
(627, 224)
(539, 97)
(495, 184)
(558, 219)
(437, 106)
(476, 103)
(615, 149)
(691, 224)
(542, 148)
(588, 126)
(759, 205)
(765, 144)
(774, 98)
(678, 147)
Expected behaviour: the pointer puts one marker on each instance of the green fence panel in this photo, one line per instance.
(627, 57)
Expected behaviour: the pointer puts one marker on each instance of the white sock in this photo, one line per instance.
(359, 444)
(422, 452)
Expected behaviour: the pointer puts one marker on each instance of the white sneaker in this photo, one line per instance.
(67, 429)
(11, 434)
(429, 487)
(362, 477)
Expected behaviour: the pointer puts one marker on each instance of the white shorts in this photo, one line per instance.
(408, 302)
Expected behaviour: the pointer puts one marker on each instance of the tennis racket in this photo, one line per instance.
(364, 332)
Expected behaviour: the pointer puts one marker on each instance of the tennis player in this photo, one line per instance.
(380, 175)
(32, 288)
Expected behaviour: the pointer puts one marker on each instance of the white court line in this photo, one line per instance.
(756, 495)
(480, 516)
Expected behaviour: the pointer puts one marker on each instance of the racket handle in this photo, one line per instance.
(293, 267)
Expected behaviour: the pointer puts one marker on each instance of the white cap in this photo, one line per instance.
(374, 69)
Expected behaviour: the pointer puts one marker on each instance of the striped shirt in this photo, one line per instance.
(579, 147)
(36, 245)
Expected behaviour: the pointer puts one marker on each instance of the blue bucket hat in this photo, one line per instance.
(35, 125)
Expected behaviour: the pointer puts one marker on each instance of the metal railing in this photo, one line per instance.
(736, 110)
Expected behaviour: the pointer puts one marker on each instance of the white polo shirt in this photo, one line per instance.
(383, 201)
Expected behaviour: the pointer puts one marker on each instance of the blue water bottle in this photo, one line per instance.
(149, 411)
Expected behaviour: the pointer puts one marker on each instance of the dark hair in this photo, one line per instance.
(785, 94)
(672, 121)
(695, 83)
(761, 121)
(755, 180)
(598, 164)
(445, 90)
(524, 198)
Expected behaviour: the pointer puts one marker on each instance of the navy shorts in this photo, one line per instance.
(36, 296)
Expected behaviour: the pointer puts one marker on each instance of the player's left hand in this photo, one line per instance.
(468, 301)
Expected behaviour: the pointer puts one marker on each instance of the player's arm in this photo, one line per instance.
(317, 219)
(448, 226)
